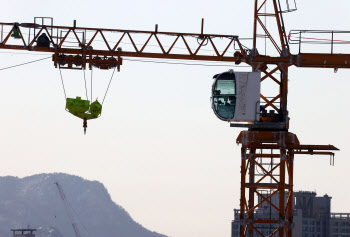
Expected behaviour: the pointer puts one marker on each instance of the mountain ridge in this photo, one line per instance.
(35, 201)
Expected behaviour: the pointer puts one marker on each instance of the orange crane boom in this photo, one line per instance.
(84, 47)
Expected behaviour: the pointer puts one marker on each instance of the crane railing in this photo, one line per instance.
(325, 41)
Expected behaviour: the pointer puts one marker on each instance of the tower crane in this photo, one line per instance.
(68, 209)
(236, 96)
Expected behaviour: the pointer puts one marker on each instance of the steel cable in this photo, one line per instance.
(91, 84)
(108, 86)
(64, 90)
(85, 86)
(24, 63)
(186, 64)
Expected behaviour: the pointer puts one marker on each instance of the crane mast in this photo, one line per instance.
(268, 140)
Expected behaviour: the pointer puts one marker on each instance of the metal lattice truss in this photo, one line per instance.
(77, 46)
(272, 75)
(267, 173)
(271, 9)
(85, 43)
(260, 25)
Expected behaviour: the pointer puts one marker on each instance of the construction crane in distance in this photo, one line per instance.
(267, 135)
(68, 209)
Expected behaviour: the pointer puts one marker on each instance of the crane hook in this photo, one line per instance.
(85, 125)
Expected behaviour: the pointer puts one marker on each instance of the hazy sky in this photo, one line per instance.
(158, 147)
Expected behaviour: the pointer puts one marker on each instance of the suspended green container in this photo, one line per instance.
(83, 109)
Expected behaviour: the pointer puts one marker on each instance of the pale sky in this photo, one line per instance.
(158, 147)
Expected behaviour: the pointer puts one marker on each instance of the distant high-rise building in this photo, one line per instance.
(340, 225)
(312, 217)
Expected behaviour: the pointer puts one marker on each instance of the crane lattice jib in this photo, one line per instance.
(60, 35)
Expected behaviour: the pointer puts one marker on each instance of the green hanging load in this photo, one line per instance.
(83, 109)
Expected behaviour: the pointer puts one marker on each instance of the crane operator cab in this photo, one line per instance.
(83, 109)
(236, 96)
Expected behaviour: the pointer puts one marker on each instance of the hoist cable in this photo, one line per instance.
(24, 63)
(86, 92)
(186, 64)
(108, 86)
(64, 90)
(91, 84)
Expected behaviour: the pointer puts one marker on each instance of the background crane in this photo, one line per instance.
(68, 209)
(252, 57)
